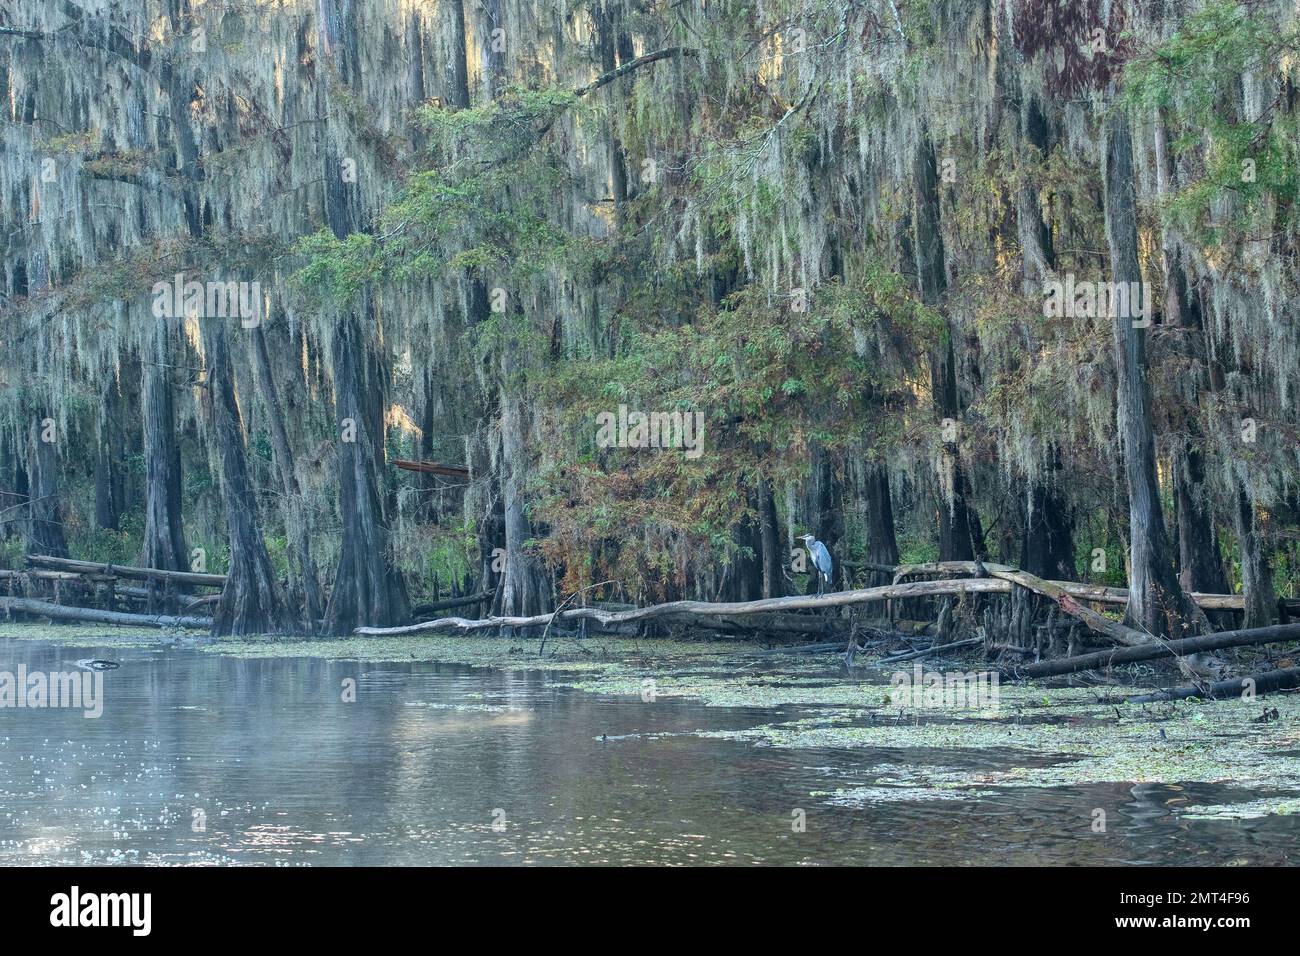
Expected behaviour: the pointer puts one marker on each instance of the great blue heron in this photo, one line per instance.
(821, 559)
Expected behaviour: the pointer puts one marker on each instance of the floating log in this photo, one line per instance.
(127, 571)
(1281, 679)
(432, 468)
(1179, 648)
(706, 608)
(94, 616)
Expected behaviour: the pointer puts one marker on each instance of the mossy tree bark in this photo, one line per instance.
(45, 525)
(251, 602)
(1200, 565)
(1047, 539)
(296, 516)
(525, 585)
(882, 540)
(367, 588)
(110, 472)
(164, 540)
(959, 530)
(1157, 601)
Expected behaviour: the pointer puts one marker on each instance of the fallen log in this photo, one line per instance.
(1065, 594)
(127, 571)
(95, 616)
(450, 603)
(707, 608)
(822, 647)
(1179, 648)
(1058, 591)
(785, 624)
(432, 468)
(929, 651)
(1281, 679)
(1097, 622)
(37, 575)
(1093, 593)
(85, 581)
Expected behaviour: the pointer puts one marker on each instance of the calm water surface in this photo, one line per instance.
(203, 759)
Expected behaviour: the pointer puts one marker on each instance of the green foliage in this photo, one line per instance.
(337, 268)
(1193, 78)
(106, 546)
(12, 554)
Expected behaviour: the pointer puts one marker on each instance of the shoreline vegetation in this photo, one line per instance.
(950, 581)
(1035, 736)
(368, 322)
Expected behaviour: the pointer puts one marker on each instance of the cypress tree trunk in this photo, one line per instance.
(773, 556)
(458, 92)
(483, 503)
(882, 542)
(1256, 574)
(1199, 563)
(45, 535)
(612, 44)
(959, 532)
(1157, 601)
(826, 517)
(164, 540)
(744, 576)
(11, 498)
(1200, 567)
(525, 587)
(297, 518)
(109, 490)
(1047, 541)
(1048, 545)
(250, 602)
(367, 589)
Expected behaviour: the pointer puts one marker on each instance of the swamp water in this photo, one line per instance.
(614, 752)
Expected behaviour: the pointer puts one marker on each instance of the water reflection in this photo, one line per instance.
(203, 759)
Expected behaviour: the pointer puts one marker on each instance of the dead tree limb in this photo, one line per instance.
(127, 571)
(1281, 679)
(93, 616)
(927, 652)
(1093, 593)
(1098, 622)
(450, 603)
(705, 608)
(1188, 645)
(1067, 595)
